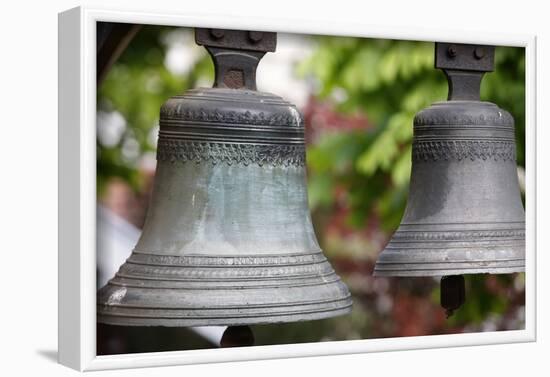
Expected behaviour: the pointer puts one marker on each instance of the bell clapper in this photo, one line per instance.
(453, 293)
(237, 336)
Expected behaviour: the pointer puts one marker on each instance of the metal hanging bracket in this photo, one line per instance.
(464, 65)
(236, 54)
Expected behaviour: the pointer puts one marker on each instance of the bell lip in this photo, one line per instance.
(417, 249)
(449, 271)
(514, 261)
(264, 304)
(287, 317)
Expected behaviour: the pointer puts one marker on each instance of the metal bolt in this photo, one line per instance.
(451, 51)
(255, 36)
(479, 53)
(216, 33)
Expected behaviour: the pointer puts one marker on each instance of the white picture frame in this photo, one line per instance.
(77, 191)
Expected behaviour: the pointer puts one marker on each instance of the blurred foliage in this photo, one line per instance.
(136, 86)
(357, 178)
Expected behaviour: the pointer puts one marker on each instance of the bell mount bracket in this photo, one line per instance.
(464, 66)
(236, 54)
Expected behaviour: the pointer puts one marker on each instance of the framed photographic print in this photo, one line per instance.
(241, 190)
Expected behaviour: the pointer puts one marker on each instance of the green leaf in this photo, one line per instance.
(401, 171)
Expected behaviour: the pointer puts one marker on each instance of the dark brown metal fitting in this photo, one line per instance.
(237, 336)
(255, 36)
(236, 54)
(464, 66)
(217, 33)
(451, 51)
(453, 293)
(479, 53)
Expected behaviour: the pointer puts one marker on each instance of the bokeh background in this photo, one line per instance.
(359, 97)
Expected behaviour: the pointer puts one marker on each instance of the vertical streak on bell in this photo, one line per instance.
(453, 293)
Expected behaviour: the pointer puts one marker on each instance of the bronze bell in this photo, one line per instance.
(464, 213)
(228, 238)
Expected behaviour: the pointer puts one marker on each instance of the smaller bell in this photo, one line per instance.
(464, 213)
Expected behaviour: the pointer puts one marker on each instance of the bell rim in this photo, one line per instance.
(227, 321)
(229, 316)
(449, 271)
(424, 261)
(274, 296)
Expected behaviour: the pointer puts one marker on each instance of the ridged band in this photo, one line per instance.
(231, 154)
(450, 249)
(460, 150)
(194, 290)
(227, 316)
(232, 271)
(464, 235)
(198, 115)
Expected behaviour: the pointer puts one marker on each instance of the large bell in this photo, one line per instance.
(464, 213)
(228, 238)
